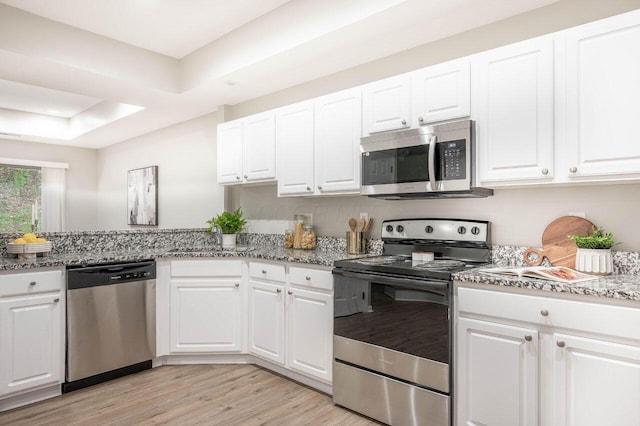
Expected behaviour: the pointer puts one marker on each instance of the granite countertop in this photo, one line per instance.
(615, 286)
(277, 253)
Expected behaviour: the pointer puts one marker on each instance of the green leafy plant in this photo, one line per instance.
(596, 240)
(229, 222)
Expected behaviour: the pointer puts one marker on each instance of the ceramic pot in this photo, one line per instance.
(228, 241)
(594, 261)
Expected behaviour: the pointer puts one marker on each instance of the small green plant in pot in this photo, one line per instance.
(594, 252)
(230, 223)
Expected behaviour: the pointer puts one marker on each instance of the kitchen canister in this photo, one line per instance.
(594, 261)
(356, 242)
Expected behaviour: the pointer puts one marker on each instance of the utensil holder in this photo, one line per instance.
(356, 242)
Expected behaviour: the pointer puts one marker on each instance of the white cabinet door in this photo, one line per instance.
(603, 89)
(259, 147)
(596, 382)
(31, 348)
(515, 112)
(229, 151)
(206, 315)
(310, 333)
(386, 105)
(338, 126)
(294, 149)
(441, 92)
(497, 374)
(266, 320)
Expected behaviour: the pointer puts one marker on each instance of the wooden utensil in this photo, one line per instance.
(361, 224)
(556, 246)
(368, 225)
(352, 224)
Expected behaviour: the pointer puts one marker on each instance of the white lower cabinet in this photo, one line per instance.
(31, 331)
(206, 306)
(310, 332)
(529, 360)
(499, 366)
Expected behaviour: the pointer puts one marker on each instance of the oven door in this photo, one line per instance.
(395, 326)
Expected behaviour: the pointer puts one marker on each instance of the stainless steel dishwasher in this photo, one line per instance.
(110, 322)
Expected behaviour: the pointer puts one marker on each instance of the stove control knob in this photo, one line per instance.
(475, 230)
(428, 229)
(462, 230)
(389, 228)
(400, 228)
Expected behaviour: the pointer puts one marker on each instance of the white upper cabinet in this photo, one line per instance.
(247, 149)
(338, 125)
(386, 105)
(294, 137)
(603, 89)
(229, 161)
(515, 112)
(259, 147)
(441, 92)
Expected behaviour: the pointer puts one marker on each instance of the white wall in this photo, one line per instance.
(519, 216)
(81, 175)
(185, 154)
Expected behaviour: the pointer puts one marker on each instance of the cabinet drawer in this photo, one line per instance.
(267, 271)
(598, 318)
(206, 268)
(30, 283)
(311, 278)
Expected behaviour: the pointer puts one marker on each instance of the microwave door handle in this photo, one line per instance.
(432, 162)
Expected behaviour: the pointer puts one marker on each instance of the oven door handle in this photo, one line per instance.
(401, 282)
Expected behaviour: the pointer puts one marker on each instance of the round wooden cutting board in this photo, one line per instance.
(556, 246)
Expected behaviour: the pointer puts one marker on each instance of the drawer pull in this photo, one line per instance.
(237, 285)
(544, 313)
(528, 338)
(264, 271)
(289, 292)
(278, 290)
(56, 300)
(32, 283)
(560, 344)
(308, 278)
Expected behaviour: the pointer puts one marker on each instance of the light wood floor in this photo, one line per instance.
(189, 395)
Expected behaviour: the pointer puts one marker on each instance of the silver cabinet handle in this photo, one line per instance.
(237, 177)
(573, 169)
(319, 187)
(308, 278)
(421, 120)
(560, 344)
(544, 312)
(308, 188)
(246, 177)
(237, 285)
(264, 271)
(56, 300)
(404, 122)
(32, 283)
(528, 338)
(289, 292)
(545, 171)
(278, 290)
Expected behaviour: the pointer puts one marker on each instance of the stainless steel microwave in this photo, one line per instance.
(428, 162)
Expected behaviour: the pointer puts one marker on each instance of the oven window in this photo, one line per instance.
(400, 165)
(409, 321)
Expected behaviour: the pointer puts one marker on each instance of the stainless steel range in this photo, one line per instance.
(392, 341)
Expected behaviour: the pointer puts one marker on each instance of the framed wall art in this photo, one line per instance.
(142, 196)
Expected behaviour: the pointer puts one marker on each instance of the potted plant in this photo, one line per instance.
(229, 223)
(594, 252)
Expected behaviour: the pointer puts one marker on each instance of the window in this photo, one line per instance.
(20, 198)
(32, 196)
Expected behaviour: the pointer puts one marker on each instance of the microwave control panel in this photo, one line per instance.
(453, 160)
